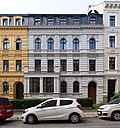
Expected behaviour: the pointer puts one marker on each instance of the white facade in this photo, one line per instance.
(84, 76)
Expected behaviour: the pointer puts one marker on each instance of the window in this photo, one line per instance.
(48, 84)
(92, 44)
(18, 65)
(5, 87)
(92, 65)
(37, 21)
(111, 62)
(112, 41)
(63, 87)
(6, 44)
(65, 102)
(75, 65)
(51, 103)
(17, 21)
(76, 87)
(50, 65)
(5, 22)
(63, 44)
(63, 21)
(75, 44)
(34, 85)
(5, 65)
(76, 21)
(37, 44)
(92, 20)
(50, 21)
(37, 65)
(18, 44)
(112, 21)
(63, 65)
(50, 44)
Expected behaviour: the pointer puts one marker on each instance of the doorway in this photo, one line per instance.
(92, 91)
(19, 90)
(111, 88)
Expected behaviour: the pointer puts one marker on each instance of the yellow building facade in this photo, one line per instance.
(13, 59)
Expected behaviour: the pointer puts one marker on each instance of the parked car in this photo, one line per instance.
(6, 110)
(111, 110)
(54, 109)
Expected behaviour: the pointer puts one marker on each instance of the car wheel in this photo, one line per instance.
(74, 118)
(31, 119)
(116, 116)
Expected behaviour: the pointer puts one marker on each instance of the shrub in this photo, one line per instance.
(25, 103)
(115, 96)
(85, 102)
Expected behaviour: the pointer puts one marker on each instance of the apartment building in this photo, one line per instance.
(13, 54)
(65, 56)
(111, 18)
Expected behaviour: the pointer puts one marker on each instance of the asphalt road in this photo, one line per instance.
(85, 123)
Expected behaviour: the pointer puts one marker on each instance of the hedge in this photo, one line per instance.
(85, 102)
(26, 103)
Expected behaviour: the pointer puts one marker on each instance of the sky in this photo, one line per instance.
(48, 6)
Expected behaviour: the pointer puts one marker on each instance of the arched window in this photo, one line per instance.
(5, 87)
(76, 87)
(50, 44)
(63, 44)
(18, 44)
(37, 21)
(6, 44)
(76, 21)
(37, 44)
(92, 44)
(63, 21)
(63, 87)
(75, 44)
(50, 21)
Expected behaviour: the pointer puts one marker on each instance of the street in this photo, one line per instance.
(85, 123)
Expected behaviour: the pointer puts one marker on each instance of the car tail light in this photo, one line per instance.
(79, 106)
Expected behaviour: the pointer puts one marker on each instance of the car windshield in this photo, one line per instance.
(116, 101)
(4, 101)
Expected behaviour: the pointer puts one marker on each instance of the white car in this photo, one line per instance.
(54, 109)
(111, 110)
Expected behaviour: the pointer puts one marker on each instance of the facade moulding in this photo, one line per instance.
(13, 27)
(68, 27)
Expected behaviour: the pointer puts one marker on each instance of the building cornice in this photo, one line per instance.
(13, 27)
(67, 27)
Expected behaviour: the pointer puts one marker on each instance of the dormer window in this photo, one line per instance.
(37, 21)
(50, 21)
(92, 20)
(63, 21)
(76, 21)
(5, 22)
(18, 22)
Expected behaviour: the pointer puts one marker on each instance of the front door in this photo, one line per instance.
(92, 91)
(19, 90)
(111, 89)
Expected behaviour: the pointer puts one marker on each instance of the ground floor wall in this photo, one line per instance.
(63, 86)
(11, 86)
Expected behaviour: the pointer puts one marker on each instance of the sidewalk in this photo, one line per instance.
(87, 114)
